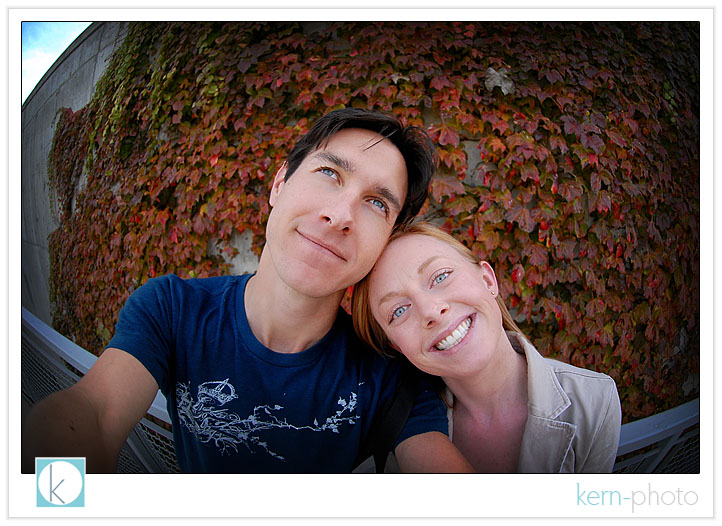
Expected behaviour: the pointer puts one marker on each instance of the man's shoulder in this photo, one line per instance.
(357, 349)
(171, 283)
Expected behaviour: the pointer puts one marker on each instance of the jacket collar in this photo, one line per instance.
(547, 441)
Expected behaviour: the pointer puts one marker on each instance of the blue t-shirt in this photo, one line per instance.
(237, 406)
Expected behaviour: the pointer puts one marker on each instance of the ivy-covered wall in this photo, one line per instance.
(570, 161)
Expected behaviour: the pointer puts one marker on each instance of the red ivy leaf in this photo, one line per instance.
(553, 76)
(448, 136)
(529, 171)
(593, 141)
(565, 248)
(537, 254)
(522, 216)
(517, 273)
(440, 82)
(616, 138)
(571, 127)
(446, 186)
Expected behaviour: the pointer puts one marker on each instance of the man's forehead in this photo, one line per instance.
(359, 138)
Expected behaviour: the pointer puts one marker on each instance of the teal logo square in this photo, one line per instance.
(60, 482)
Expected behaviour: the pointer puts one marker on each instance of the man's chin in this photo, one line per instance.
(316, 286)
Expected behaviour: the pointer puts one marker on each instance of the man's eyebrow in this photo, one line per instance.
(346, 165)
(332, 158)
(419, 271)
(389, 196)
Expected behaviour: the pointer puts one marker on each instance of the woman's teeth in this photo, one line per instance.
(456, 336)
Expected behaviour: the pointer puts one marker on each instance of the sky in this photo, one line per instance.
(42, 44)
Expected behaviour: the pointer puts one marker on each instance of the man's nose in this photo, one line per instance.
(340, 212)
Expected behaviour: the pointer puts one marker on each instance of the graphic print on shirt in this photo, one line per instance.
(205, 418)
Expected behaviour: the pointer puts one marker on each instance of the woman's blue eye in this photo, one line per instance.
(441, 277)
(398, 312)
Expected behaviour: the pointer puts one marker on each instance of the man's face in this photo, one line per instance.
(332, 218)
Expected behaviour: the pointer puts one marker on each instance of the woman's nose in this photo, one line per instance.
(434, 312)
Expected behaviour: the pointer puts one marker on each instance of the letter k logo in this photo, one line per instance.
(60, 482)
(54, 489)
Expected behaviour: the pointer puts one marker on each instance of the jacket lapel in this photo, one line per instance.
(547, 441)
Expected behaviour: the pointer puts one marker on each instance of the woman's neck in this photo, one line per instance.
(497, 388)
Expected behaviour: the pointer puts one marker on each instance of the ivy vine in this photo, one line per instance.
(570, 160)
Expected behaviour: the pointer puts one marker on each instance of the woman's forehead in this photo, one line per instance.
(410, 255)
(417, 245)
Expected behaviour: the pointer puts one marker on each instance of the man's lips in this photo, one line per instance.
(322, 244)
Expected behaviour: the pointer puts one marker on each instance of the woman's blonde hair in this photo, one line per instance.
(364, 322)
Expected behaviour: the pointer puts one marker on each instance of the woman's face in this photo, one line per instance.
(437, 307)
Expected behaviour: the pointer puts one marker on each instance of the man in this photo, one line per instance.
(262, 372)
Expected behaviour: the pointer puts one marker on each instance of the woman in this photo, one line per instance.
(511, 410)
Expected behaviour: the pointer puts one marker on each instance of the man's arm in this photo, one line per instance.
(94, 417)
(431, 452)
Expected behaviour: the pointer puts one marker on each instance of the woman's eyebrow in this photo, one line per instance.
(426, 263)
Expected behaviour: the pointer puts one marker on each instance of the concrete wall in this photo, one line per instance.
(70, 83)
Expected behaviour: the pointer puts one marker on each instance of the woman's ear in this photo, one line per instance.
(278, 182)
(488, 277)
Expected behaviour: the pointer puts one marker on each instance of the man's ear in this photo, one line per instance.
(488, 277)
(278, 182)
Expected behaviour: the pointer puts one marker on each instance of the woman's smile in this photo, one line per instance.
(456, 336)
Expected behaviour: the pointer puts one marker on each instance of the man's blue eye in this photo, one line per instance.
(329, 172)
(378, 203)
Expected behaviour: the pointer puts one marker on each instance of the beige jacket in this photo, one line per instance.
(574, 417)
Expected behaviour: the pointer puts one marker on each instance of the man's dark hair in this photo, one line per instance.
(413, 142)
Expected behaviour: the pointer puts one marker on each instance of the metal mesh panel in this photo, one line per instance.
(680, 456)
(40, 376)
(635, 462)
(684, 457)
(43, 373)
(161, 441)
(128, 462)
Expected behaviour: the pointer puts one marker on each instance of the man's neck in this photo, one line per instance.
(284, 320)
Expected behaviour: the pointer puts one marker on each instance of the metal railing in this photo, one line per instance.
(667, 442)
(51, 362)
